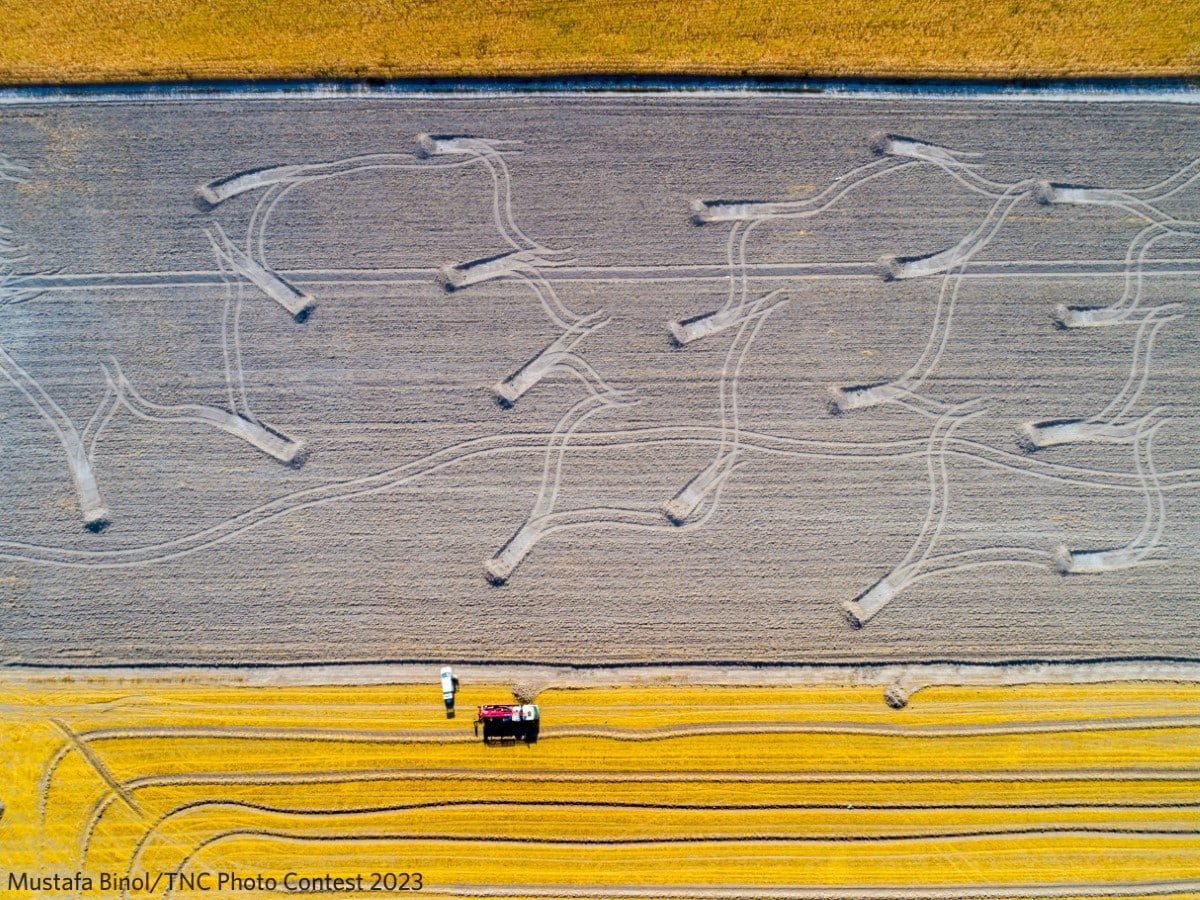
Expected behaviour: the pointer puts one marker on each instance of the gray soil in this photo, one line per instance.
(413, 475)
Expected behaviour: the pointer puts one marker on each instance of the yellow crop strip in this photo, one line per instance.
(98, 40)
(657, 790)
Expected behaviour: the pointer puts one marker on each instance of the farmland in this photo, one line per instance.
(623, 379)
(656, 790)
(67, 40)
(824, 468)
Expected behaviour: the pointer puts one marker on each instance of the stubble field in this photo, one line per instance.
(110, 40)
(665, 791)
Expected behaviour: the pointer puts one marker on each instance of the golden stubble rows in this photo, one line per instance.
(655, 788)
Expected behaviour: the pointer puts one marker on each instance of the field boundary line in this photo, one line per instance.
(549, 676)
(1166, 89)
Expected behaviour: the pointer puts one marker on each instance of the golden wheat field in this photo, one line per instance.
(68, 40)
(636, 791)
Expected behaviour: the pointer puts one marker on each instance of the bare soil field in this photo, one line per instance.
(598, 380)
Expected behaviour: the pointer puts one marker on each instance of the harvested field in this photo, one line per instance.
(1039, 791)
(600, 379)
(109, 40)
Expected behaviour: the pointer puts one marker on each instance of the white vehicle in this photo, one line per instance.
(449, 687)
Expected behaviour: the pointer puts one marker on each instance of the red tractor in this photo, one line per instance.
(516, 722)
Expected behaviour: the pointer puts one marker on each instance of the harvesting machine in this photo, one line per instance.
(516, 722)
